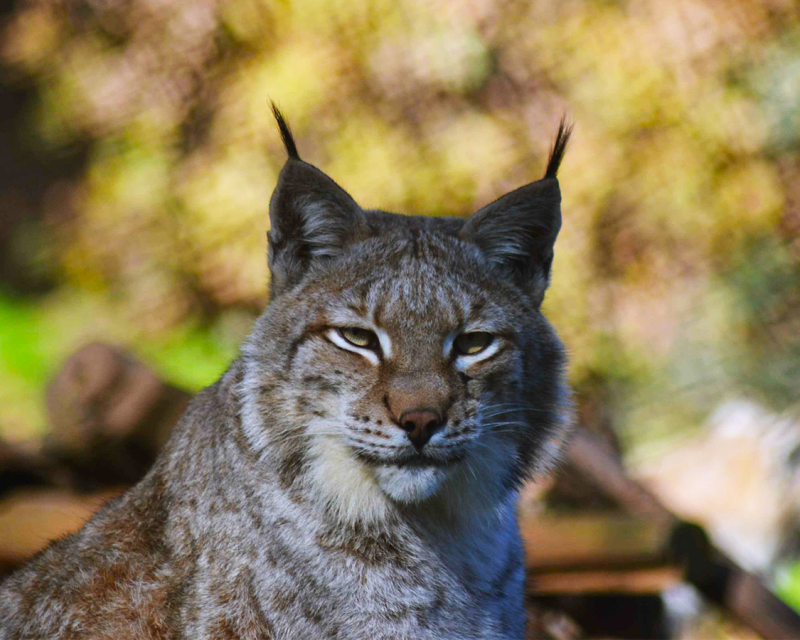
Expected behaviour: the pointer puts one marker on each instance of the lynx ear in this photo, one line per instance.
(517, 231)
(311, 218)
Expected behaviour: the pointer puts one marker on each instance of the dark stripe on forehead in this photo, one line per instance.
(477, 307)
(355, 297)
(462, 300)
(359, 309)
(415, 244)
(378, 313)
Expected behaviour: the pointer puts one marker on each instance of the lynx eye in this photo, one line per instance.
(363, 338)
(468, 344)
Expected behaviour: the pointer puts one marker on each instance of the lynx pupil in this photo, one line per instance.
(359, 337)
(468, 344)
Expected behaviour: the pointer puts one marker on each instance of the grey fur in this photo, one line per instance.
(288, 502)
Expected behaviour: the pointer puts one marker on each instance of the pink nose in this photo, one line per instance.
(420, 425)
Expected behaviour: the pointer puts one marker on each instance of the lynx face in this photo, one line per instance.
(407, 356)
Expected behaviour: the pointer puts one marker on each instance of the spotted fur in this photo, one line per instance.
(289, 502)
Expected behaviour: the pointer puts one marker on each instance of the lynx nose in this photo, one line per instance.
(420, 425)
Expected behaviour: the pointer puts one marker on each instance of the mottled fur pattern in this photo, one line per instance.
(289, 502)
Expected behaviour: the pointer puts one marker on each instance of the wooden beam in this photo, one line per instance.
(646, 580)
(582, 540)
(706, 567)
(31, 518)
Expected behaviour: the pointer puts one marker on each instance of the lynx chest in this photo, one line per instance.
(321, 582)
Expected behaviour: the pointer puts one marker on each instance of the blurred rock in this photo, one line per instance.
(740, 478)
(109, 415)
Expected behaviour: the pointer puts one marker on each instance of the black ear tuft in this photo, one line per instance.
(286, 134)
(559, 147)
(517, 231)
(312, 219)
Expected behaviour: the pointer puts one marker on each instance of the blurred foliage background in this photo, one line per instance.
(138, 154)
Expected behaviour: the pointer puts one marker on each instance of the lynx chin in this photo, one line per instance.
(354, 473)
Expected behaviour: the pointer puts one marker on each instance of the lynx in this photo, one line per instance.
(354, 472)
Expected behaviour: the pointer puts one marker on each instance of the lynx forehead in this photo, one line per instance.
(354, 473)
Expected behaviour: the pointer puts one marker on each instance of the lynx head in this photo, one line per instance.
(404, 360)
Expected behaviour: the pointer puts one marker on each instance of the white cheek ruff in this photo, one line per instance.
(464, 362)
(335, 338)
(347, 486)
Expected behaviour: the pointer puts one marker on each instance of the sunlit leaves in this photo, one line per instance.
(686, 112)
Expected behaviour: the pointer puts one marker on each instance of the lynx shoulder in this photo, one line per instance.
(354, 473)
